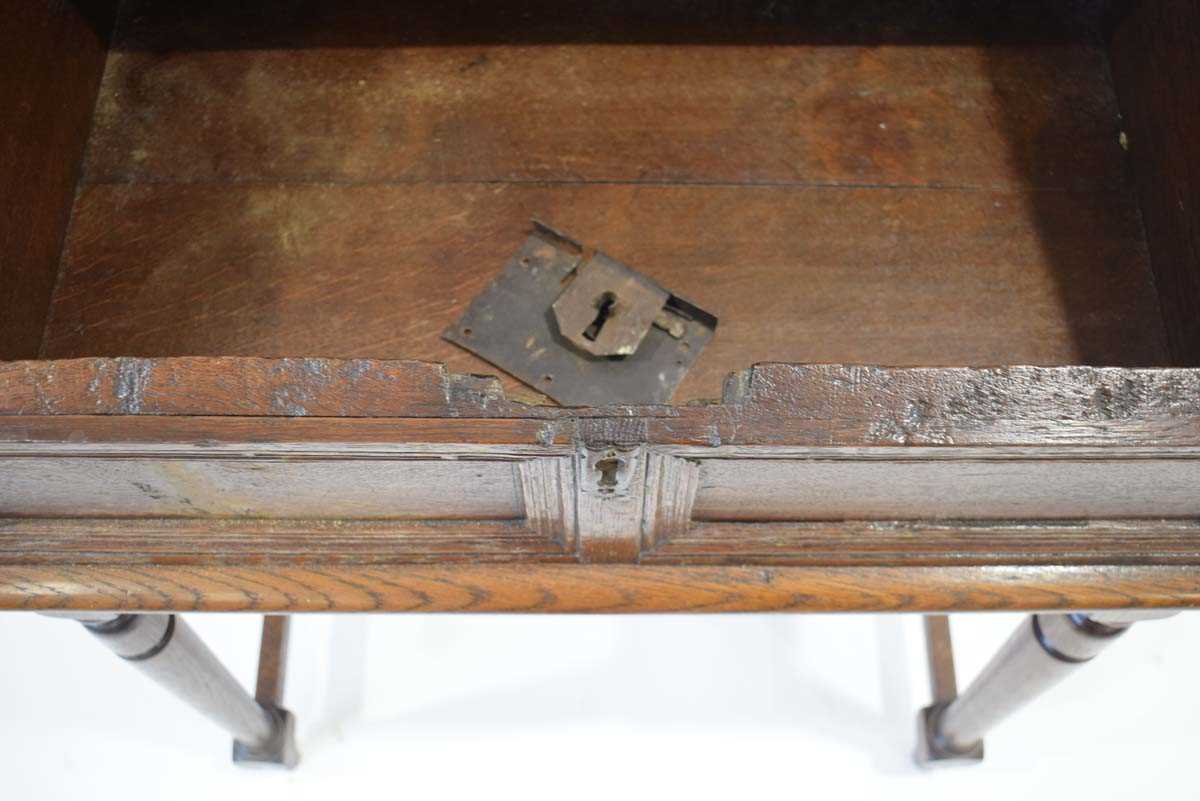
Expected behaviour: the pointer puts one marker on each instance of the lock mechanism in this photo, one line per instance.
(583, 328)
(607, 308)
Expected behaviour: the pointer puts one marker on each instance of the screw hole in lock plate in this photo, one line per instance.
(608, 468)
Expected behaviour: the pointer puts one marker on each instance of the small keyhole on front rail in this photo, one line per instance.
(608, 469)
(604, 310)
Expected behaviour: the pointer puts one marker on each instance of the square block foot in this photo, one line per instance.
(932, 749)
(280, 750)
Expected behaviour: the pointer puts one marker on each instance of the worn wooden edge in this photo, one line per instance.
(768, 404)
(899, 543)
(219, 543)
(215, 541)
(594, 588)
(250, 386)
(231, 542)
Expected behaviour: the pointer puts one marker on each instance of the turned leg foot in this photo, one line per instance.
(166, 649)
(1043, 650)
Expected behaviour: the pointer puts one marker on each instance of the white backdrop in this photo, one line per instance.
(607, 707)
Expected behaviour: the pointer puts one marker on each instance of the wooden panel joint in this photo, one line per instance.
(547, 494)
(672, 482)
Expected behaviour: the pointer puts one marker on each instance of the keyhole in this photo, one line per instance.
(608, 469)
(604, 310)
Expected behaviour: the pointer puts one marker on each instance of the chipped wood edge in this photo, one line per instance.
(768, 404)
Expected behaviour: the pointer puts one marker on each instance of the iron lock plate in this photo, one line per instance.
(581, 327)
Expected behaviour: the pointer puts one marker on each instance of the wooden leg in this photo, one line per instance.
(1041, 652)
(272, 660)
(166, 649)
(939, 651)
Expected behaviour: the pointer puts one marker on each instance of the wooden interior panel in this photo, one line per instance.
(974, 116)
(933, 185)
(855, 488)
(804, 274)
(1156, 66)
(934, 92)
(52, 56)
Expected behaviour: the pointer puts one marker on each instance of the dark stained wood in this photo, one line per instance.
(895, 114)
(595, 588)
(51, 59)
(272, 660)
(1156, 66)
(188, 25)
(942, 187)
(905, 277)
(939, 653)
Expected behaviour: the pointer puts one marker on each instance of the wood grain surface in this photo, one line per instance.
(837, 182)
(52, 56)
(935, 542)
(932, 92)
(313, 487)
(231, 400)
(272, 660)
(595, 588)
(987, 488)
(1156, 66)
(905, 277)
(907, 115)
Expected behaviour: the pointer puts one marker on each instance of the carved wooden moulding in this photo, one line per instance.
(1018, 481)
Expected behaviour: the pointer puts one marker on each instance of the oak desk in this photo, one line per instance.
(229, 230)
